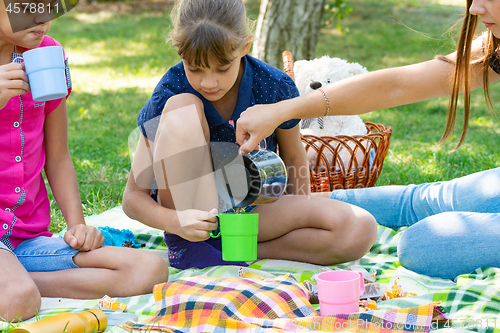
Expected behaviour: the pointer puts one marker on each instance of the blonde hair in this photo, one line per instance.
(462, 74)
(209, 30)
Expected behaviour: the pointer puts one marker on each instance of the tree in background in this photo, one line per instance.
(293, 25)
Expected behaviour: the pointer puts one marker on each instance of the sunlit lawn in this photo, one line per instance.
(395, 33)
(117, 59)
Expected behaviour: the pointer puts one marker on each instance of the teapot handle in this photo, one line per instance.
(263, 145)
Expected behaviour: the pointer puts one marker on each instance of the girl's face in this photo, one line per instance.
(213, 83)
(30, 29)
(489, 12)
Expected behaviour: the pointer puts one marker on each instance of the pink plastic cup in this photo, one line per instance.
(339, 292)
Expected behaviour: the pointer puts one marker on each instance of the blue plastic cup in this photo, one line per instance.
(45, 69)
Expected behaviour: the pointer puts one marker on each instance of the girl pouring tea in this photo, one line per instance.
(188, 127)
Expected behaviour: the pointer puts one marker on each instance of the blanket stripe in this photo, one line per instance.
(279, 304)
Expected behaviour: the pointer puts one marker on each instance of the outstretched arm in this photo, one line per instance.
(357, 95)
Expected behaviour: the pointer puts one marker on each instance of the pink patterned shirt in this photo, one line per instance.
(24, 204)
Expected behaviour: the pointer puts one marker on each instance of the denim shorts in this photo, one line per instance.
(44, 254)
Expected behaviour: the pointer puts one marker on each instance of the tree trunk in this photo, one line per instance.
(292, 25)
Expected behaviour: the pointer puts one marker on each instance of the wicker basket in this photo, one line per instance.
(344, 161)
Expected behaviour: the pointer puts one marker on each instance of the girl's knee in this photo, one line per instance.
(358, 223)
(152, 269)
(354, 231)
(21, 302)
(360, 233)
(421, 257)
(360, 243)
(448, 244)
(182, 116)
(158, 268)
(184, 106)
(369, 227)
(181, 101)
(432, 246)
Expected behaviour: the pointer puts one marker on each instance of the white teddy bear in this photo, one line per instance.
(313, 74)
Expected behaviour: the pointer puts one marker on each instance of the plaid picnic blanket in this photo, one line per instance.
(205, 304)
(472, 301)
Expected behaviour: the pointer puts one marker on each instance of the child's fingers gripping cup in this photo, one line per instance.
(238, 234)
(339, 291)
(46, 73)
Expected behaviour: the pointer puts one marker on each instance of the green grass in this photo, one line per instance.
(396, 33)
(117, 59)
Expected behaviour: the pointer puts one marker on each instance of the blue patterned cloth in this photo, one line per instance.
(118, 237)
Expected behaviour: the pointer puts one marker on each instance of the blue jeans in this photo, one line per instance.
(454, 226)
(44, 254)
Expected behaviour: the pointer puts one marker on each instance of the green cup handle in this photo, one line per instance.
(211, 231)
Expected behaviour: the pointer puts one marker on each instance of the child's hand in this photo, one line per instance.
(194, 225)
(84, 238)
(13, 82)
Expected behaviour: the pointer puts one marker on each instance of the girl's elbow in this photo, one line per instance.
(127, 202)
(125, 205)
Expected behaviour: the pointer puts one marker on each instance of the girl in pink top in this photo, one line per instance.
(33, 137)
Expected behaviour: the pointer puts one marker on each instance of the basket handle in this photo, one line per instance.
(288, 64)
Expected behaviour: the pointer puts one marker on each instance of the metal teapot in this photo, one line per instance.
(254, 178)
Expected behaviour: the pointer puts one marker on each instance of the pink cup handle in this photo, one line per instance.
(361, 284)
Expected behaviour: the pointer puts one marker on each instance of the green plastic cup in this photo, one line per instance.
(238, 233)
